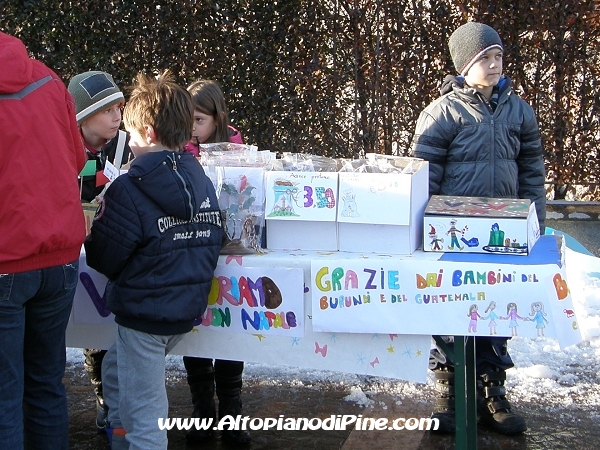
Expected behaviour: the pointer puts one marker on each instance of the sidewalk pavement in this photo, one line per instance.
(549, 427)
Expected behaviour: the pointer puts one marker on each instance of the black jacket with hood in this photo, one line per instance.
(157, 237)
(477, 151)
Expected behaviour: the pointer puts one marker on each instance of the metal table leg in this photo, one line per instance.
(465, 392)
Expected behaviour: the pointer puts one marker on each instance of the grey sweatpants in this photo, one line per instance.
(133, 374)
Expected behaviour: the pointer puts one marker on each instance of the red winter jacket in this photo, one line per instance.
(41, 155)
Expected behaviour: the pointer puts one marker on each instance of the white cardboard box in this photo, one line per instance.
(300, 210)
(382, 212)
(480, 225)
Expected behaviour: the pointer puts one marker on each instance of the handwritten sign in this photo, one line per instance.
(413, 296)
(266, 300)
(301, 196)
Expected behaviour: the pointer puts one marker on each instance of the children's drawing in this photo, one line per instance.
(511, 314)
(349, 209)
(498, 243)
(240, 224)
(474, 315)
(539, 317)
(492, 316)
(286, 194)
(471, 242)
(435, 240)
(453, 232)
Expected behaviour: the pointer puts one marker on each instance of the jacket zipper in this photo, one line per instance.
(493, 159)
(173, 159)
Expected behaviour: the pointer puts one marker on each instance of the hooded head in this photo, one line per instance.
(469, 42)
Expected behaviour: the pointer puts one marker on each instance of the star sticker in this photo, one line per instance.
(295, 341)
(419, 353)
(195, 330)
(361, 359)
(390, 349)
(376, 336)
(392, 336)
(259, 336)
(333, 337)
(407, 352)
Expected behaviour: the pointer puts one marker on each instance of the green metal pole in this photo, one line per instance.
(465, 393)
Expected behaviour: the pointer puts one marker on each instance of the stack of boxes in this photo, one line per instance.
(348, 211)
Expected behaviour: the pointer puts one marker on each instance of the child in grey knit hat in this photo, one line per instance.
(98, 104)
(481, 140)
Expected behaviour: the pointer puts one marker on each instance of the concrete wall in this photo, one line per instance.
(578, 219)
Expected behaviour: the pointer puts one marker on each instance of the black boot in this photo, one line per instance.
(229, 388)
(202, 387)
(230, 404)
(93, 365)
(493, 409)
(444, 405)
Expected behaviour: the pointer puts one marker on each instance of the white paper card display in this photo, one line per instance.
(374, 198)
(241, 194)
(382, 212)
(301, 196)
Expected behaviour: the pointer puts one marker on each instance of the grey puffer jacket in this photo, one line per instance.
(478, 152)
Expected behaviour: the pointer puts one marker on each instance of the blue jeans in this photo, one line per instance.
(34, 311)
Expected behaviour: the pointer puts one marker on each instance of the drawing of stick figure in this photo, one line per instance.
(511, 314)
(435, 240)
(452, 231)
(539, 317)
(492, 316)
(474, 315)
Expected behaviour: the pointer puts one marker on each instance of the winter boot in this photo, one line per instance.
(93, 364)
(229, 389)
(444, 405)
(202, 387)
(230, 404)
(493, 409)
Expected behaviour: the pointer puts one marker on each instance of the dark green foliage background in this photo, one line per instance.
(337, 78)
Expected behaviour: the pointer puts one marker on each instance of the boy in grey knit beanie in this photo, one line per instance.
(94, 91)
(481, 140)
(98, 103)
(471, 41)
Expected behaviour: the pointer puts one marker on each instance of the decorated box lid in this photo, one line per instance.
(478, 207)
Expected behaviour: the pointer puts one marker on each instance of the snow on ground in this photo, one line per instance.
(543, 374)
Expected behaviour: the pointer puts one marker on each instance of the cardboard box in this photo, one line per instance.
(300, 210)
(480, 225)
(382, 212)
